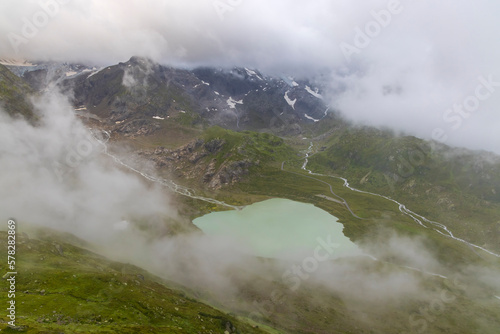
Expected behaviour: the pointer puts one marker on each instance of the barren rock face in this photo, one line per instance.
(196, 160)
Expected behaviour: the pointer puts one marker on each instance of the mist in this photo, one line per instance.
(417, 62)
(429, 58)
(56, 174)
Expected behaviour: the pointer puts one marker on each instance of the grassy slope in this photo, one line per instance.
(379, 214)
(457, 190)
(265, 150)
(13, 93)
(267, 180)
(313, 310)
(77, 291)
(262, 147)
(99, 285)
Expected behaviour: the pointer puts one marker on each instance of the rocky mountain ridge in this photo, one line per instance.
(139, 89)
(187, 163)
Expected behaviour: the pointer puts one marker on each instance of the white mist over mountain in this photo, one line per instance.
(410, 65)
(57, 175)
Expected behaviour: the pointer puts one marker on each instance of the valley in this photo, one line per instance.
(211, 145)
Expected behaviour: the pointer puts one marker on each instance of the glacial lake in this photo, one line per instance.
(278, 228)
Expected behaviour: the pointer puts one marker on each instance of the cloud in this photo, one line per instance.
(413, 74)
(419, 61)
(54, 175)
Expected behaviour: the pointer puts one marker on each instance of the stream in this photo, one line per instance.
(419, 219)
(184, 191)
(167, 183)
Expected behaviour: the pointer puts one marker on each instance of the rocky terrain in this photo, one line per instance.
(189, 162)
(134, 93)
(239, 136)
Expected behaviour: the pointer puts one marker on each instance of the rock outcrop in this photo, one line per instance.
(202, 161)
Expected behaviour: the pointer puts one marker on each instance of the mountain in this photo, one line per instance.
(14, 94)
(226, 138)
(67, 288)
(158, 106)
(455, 186)
(237, 99)
(40, 74)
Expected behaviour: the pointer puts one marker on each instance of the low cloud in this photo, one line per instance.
(56, 175)
(407, 62)
(430, 57)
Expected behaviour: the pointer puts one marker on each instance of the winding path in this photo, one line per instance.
(419, 219)
(103, 140)
(438, 227)
(342, 200)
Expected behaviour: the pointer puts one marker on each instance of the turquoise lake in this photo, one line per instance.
(278, 228)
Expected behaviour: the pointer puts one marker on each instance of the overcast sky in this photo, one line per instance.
(405, 67)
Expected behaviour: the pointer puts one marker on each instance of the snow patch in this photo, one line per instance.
(95, 72)
(314, 92)
(292, 82)
(311, 118)
(253, 73)
(290, 102)
(232, 103)
(216, 93)
(158, 117)
(205, 83)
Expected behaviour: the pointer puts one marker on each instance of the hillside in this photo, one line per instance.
(14, 94)
(217, 139)
(457, 187)
(130, 94)
(63, 287)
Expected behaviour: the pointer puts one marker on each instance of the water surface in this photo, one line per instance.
(278, 228)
